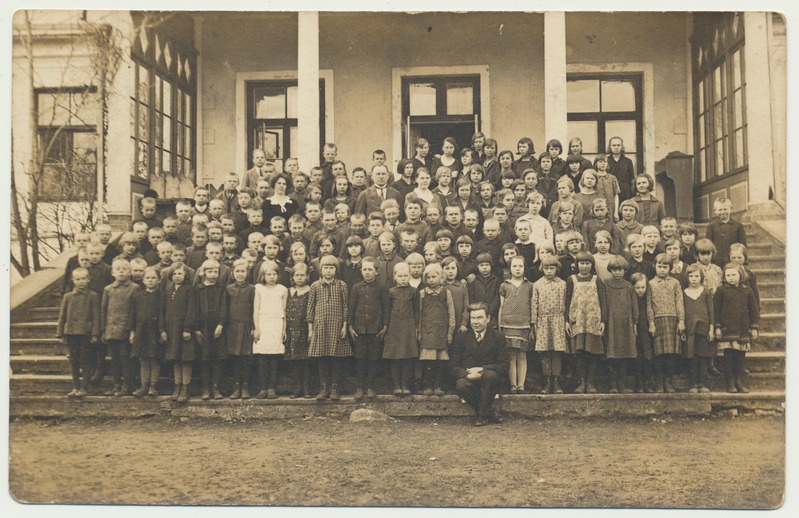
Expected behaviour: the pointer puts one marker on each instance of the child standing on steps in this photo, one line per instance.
(401, 343)
(177, 322)
(699, 346)
(622, 319)
(586, 301)
(211, 312)
(327, 327)
(515, 315)
(238, 335)
(436, 328)
(643, 340)
(297, 331)
(736, 316)
(79, 328)
(666, 314)
(269, 334)
(549, 322)
(115, 325)
(145, 338)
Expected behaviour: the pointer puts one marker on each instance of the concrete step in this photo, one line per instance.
(772, 322)
(767, 261)
(37, 346)
(44, 314)
(33, 329)
(764, 248)
(769, 275)
(521, 405)
(769, 341)
(771, 288)
(772, 305)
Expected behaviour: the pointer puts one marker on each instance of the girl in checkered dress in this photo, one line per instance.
(665, 310)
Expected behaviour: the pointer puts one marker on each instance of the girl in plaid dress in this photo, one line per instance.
(549, 322)
(327, 327)
(665, 310)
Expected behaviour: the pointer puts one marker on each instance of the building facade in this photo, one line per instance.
(699, 98)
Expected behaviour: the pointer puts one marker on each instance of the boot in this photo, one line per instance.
(334, 395)
(547, 388)
(245, 391)
(371, 393)
(236, 392)
(176, 394)
(261, 394)
(668, 387)
(271, 394)
(555, 387)
(297, 392)
(153, 392)
(580, 388)
(358, 393)
(306, 389)
(206, 393)
(324, 393)
(140, 391)
(740, 386)
(184, 394)
(397, 390)
(730, 387)
(215, 392)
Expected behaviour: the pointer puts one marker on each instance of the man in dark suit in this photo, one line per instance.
(478, 362)
(370, 199)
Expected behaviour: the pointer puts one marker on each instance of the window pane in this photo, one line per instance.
(625, 130)
(738, 108)
(187, 146)
(270, 103)
(187, 108)
(167, 109)
(736, 69)
(141, 161)
(188, 170)
(582, 96)
(84, 109)
(291, 102)
(717, 83)
(702, 165)
(718, 121)
(740, 159)
(167, 162)
(158, 82)
(144, 123)
(179, 139)
(167, 133)
(719, 157)
(157, 161)
(618, 96)
(53, 109)
(144, 85)
(701, 130)
(179, 105)
(293, 152)
(460, 99)
(585, 131)
(178, 165)
(700, 89)
(422, 99)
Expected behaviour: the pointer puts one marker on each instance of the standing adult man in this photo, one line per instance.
(370, 199)
(478, 361)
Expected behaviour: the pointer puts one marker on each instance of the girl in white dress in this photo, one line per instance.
(270, 327)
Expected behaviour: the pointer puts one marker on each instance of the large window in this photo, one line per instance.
(719, 104)
(436, 107)
(272, 118)
(67, 132)
(162, 111)
(602, 106)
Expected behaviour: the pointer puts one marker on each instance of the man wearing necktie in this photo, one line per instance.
(478, 362)
(370, 199)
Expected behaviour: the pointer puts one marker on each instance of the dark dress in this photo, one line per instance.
(296, 326)
(211, 311)
(274, 209)
(145, 310)
(177, 317)
(699, 315)
(238, 331)
(622, 314)
(624, 173)
(400, 340)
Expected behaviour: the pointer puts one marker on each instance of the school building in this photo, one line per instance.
(699, 98)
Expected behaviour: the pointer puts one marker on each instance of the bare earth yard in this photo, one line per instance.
(718, 462)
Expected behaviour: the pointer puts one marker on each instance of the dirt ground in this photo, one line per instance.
(718, 462)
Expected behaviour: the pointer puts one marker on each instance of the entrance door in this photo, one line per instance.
(436, 107)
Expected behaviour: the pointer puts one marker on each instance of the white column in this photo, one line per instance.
(758, 106)
(308, 89)
(198, 120)
(555, 108)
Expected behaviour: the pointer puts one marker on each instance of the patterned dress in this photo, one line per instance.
(297, 325)
(516, 313)
(587, 310)
(665, 307)
(327, 312)
(271, 314)
(549, 314)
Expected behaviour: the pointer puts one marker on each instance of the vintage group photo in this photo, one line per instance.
(398, 259)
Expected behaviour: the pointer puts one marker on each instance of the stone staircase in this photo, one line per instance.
(40, 373)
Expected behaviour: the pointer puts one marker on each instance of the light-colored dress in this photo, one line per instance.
(271, 314)
(549, 314)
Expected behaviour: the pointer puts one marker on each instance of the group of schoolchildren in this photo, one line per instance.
(575, 260)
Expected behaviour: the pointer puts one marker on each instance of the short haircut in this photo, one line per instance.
(455, 208)
(248, 191)
(693, 268)
(650, 229)
(80, 271)
(582, 178)
(179, 247)
(272, 240)
(378, 152)
(668, 218)
(650, 181)
(431, 246)
(464, 239)
(180, 268)
(320, 237)
(573, 159)
(231, 176)
(505, 152)
(637, 277)
(478, 306)
(718, 202)
(297, 218)
(277, 219)
(376, 216)
(565, 206)
(387, 235)
(389, 204)
(566, 181)
(409, 232)
(444, 232)
(554, 143)
(358, 216)
(369, 259)
(208, 263)
(267, 266)
(412, 199)
(663, 258)
(534, 196)
(635, 239)
(550, 261)
(441, 171)
(432, 268)
(249, 252)
(522, 221)
(139, 224)
(239, 262)
(687, 228)
(492, 221)
(673, 242)
(604, 234)
(449, 260)
(215, 202)
(96, 245)
(616, 262)
(741, 271)
(329, 260)
(184, 204)
(485, 257)
(584, 257)
(148, 202)
(414, 258)
(213, 244)
(128, 237)
(705, 246)
(401, 267)
(164, 246)
(121, 263)
(155, 230)
(152, 269)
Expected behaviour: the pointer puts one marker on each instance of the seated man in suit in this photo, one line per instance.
(479, 362)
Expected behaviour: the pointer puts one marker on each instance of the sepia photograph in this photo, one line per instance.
(520, 258)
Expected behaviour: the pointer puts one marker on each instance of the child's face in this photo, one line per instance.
(95, 255)
(137, 271)
(150, 280)
(391, 214)
(694, 279)
(201, 197)
(416, 270)
(355, 250)
(199, 239)
(732, 277)
(448, 148)
(83, 260)
(300, 182)
(484, 269)
(245, 200)
(148, 211)
(199, 218)
(278, 228)
(506, 160)
(413, 211)
(501, 214)
(523, 148)
(602, 245)
(141, 232)
(507, 181)
(560, 244)
(705, 258)
(178, 276)
(81, 241)
(574, 246)
(375, 227)
(563, 191)
(433, 279)
(402, 277)
(251, 261)
(433, 215)
(291, 165)
(737, 257)
(554, 151)
(486, 192)
(80, 280)
(170, 227)
(491, 231)
(517, 269)
(471, 220)
(325, 247)
(254, 241)
(453, 218)
(342, 215)
(444, 244)
(523, 232)
(530, 181)
(464, 192)
(651, 239)
(546, 163)
(640, 288)
(662, 269)
(475, 176)
(104, 236)
(121, 272)
(215, 234)
(262, 190)
(214, 253)
(316, 175)
(229, 244)
(298, 255)
(519, 192)
(296, 228)
(490, 150)
(574, 167)
(329, 221)
(258, 158)
(216, 210)
(329, 153)
(642, 185)
(270, 277)
(359, 178)
(450, 272)
(508, 254)
(688, 239)
(566, 217)
(183, 212)
(409, 242)
(240, 273)
(600, 211)
(584, 268)
(544, 253)
(673, 251)
(430, 256)
(212, 274)
(386, 246)
(313, 212)
(637, 250)
(616, 273)
(464, 250)
(615, 146)
(231, 184)
(129, 248)
(589, 180)
(228, 225)
(300, 278)
(628, 213)
(550, 271)
(271, 250)
(445, 179)
(357, 226)
(178, 256)
(722, 211)
(668, 228)
(601, 165)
